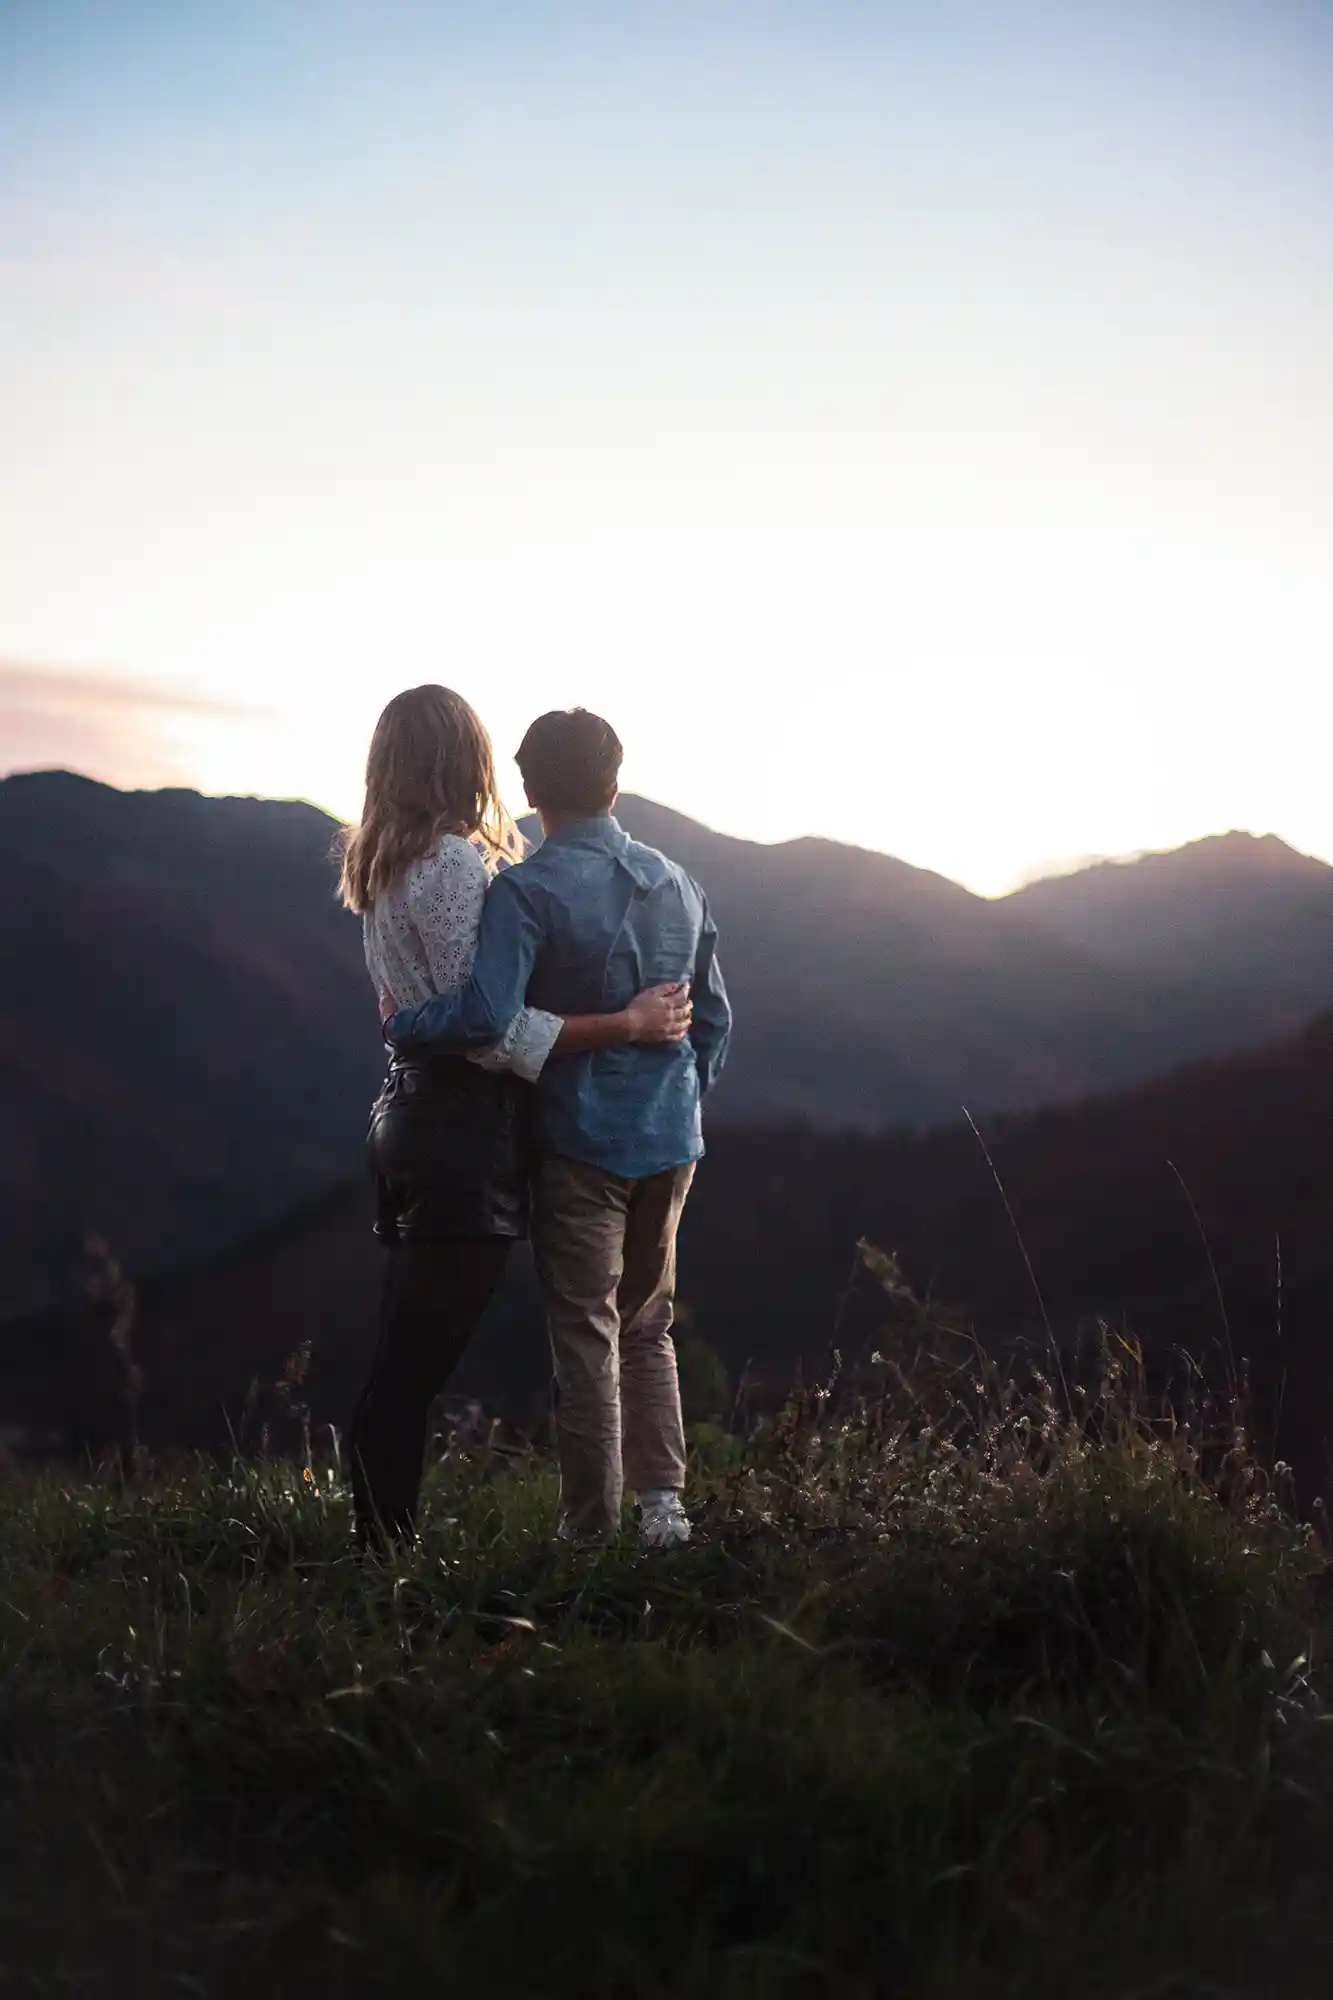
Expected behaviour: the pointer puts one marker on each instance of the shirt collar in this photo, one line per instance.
(602, 830)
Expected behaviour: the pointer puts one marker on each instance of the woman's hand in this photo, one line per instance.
(659, 1014)
(388, 1006)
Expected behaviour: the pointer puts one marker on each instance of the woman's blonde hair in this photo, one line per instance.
(430, 771)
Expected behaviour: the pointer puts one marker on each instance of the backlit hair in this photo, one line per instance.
(430, 771)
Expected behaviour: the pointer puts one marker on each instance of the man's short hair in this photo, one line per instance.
(570, 760)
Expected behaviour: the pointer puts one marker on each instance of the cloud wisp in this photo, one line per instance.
(105, 725)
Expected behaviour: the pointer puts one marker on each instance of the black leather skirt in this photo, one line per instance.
(450, 1146)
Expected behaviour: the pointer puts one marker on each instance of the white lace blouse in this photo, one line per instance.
(421, 937)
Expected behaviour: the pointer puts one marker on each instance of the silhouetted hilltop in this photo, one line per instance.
(187, 1039)
(1221, 907)
(870, 992)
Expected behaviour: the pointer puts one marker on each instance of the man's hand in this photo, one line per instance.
(388, 1005)
(660, 1014)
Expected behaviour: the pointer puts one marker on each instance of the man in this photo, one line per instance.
(582, 926)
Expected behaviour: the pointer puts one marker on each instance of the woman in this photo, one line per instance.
(448, 1134)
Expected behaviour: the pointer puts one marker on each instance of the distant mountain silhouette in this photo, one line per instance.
(1236, 907)
(1193, 1211)
(188, 1042)
(187, 1038)
(951, 999)
(870, 992)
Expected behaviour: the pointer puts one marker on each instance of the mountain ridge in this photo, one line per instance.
(1168, 909)
(189, 1043)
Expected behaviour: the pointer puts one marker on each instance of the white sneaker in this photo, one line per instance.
(663, 1522)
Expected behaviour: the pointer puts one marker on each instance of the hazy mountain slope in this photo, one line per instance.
(188, 1041)
(187, 1037)
(1236, 907)
(871, 992)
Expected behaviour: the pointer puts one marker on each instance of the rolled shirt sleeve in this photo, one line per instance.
(525, 1046)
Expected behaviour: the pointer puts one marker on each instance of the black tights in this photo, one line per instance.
(433, 1296)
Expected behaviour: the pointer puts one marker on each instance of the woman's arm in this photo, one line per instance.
(447, 898)
(659, 1014)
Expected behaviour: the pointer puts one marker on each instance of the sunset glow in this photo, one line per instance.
(909, 425)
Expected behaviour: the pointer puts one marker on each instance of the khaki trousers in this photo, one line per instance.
(606, 1256)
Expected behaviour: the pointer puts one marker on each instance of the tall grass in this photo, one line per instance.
(958, 1691)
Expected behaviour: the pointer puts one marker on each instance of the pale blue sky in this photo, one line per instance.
(912, 423)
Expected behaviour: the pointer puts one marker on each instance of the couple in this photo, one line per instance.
(554, 1024)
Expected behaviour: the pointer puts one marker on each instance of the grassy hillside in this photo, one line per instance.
(954, 1694)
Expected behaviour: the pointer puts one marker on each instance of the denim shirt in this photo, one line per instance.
(580, 927)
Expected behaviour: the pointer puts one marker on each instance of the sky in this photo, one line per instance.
(910, 421)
